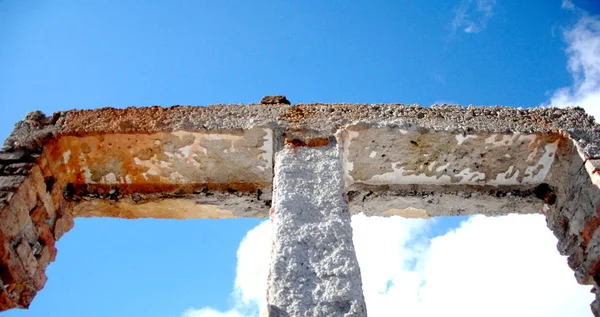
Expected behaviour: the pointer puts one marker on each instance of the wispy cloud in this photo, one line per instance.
(439, 78)
(583, 54)
(464, 272)
(568, 4)
(472, 16)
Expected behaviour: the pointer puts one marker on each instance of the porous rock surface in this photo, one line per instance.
(314, 271)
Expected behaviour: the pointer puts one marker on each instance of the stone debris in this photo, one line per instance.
(274, 100)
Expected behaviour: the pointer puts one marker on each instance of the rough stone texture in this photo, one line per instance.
(392, 156)
(29, 227)
(274, 100)
(217, 162)
(315, 119)
(314, 271)
(576, 216)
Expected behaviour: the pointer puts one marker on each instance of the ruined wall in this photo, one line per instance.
(218, 162)
(575, 217)
(33, 217)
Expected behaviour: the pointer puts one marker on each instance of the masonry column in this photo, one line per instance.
(313, 271)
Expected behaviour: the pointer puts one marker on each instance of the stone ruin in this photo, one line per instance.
(310, 167)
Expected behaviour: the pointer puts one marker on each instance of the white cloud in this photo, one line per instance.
(472, 16)
(583, 53)
(250, 285)
(209, 312)
(502, 266)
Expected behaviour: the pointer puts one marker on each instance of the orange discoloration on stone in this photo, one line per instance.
(46, 236)
(177, 158)
(591, 225)
(308, 143)
(13, 269)
(6, 301)
(589, 228)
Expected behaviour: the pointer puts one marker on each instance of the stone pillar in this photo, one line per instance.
(314, 270)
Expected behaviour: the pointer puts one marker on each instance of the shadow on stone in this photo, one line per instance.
(275, 311)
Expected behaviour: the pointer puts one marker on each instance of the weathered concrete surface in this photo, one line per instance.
(426, 201)
(394, 156)
(421, 173)
(310, 120)
(178, 174)
(217, 162)
(314, 270)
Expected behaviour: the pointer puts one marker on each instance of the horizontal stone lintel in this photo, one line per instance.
(223, 155)
(229, 174)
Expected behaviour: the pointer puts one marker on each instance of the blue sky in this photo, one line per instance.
(59, 55)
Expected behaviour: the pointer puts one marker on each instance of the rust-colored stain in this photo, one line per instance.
(594, 269)
(591, 225)
(316, 142)
(132, 161)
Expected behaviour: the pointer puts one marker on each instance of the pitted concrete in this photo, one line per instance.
(388, 156)
(314, 271)
(310, 119)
